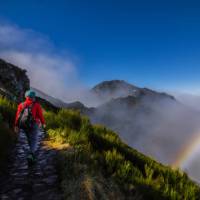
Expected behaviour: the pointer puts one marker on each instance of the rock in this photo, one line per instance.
(5, 197)
(17, 191)
(13, 81)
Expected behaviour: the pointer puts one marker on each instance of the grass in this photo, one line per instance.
(99, 164)
(7, 136)
(97, 149)
(7, 111)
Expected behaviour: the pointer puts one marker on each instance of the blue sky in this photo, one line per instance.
(148, 43)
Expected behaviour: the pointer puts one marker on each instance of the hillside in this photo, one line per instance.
(154, 123)
(92, 162)
(60, 104)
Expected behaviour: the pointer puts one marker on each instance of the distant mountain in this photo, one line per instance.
(108, 90)
(54, 101)
(114, 89)
(60, 104)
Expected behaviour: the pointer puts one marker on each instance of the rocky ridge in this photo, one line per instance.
(13, 81)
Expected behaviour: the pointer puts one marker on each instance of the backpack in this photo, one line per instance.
(26, 119)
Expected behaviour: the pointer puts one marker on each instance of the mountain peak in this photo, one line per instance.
(108, 90)
(113, 85)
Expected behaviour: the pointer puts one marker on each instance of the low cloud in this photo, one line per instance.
(162, 128)
(50, 70)
(189, 99)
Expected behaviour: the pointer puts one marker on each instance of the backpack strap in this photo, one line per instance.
(30, 106)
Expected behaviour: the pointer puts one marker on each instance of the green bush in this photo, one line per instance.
(1, 118)
(64, 118)
(113, 159)
(7, 110)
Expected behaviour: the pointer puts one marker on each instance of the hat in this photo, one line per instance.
(30, 93)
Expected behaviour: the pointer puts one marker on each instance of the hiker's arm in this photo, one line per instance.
(19, 109)
(40, 114)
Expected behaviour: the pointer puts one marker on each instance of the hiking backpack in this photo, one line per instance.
(26, 120)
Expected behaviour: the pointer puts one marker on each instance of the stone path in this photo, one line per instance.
(38, 182)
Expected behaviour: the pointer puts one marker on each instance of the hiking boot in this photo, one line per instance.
(31, 159)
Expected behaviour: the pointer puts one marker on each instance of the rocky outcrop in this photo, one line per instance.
(13, 81)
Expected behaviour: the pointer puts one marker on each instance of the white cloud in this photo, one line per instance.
(49, 69)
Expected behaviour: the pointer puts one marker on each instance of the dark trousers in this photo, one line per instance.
(32, 138)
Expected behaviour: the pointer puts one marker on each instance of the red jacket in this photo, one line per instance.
(36, 111)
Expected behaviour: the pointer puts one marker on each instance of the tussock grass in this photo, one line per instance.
(7, 136)
(98, 150)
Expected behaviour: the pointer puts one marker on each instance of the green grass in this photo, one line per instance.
(98, 150)
(7, 111)
(101, 150)
(7, 136)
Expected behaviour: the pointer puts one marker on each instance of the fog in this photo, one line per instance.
(189, 99)
(158, 127)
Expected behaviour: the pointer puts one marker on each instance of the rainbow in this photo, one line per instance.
(188, 152)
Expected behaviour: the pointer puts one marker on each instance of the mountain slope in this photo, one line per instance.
(154, 123)
(96, 164)
(60, 104)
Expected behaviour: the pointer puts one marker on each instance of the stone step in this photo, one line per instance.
(37, 182)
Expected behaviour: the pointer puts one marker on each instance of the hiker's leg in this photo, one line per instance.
(27, 133)
(33, 139)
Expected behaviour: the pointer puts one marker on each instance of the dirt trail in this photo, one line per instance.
(39, 182)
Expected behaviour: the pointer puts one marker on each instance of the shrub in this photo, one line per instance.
(7, 138)
(148, 172)
(1, 118)
(8, 110)
(127, 172)
(50, 118)
(64, 118)
(113, 159)
(69, 118)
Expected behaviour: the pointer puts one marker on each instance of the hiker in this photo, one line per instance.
(29, 118)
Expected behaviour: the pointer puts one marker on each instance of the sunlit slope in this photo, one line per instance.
(98, 153)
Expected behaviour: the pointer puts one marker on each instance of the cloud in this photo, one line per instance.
(189, 99)
(51, 70)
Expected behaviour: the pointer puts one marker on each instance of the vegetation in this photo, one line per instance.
(97, 149)
(7, 136)
(100, 160)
